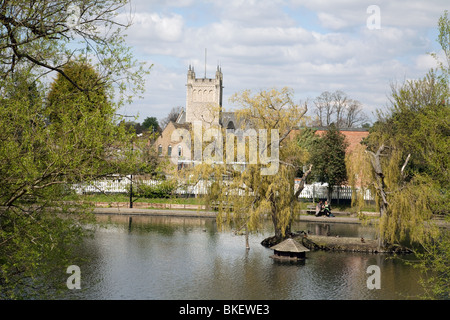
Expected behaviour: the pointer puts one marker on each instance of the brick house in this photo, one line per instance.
(353, 135)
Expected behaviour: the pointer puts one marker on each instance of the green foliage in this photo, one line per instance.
(307, 140)
(409, 150)
(409, 210)
(434, 263)
(46, 36)
(444, 41)
(53, 137)
(328, 158)
(245, 195)
(39, 155)
(360, 175)
(67, 103)
(418, 124)
(164, 189)
(151, 124)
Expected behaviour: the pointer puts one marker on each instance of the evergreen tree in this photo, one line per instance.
(328, 159)
(151, 124)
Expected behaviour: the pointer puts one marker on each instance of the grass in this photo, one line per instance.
(109, 198)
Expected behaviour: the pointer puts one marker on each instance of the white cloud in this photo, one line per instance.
(254, 12)
(149, 26)
(425, 61)
(331, 21)
(262, 44)
(413, 13)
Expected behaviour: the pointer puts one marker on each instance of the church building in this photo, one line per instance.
(204, 97)
(204, 105)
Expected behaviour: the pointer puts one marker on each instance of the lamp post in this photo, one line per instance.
(131, 175)
(131, 191)
(131, 180)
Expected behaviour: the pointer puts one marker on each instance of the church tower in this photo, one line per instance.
(204, 97)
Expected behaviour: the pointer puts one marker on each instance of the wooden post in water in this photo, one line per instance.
(247, 245)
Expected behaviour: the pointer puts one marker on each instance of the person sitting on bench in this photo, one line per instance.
(327, 209)
(319, 209)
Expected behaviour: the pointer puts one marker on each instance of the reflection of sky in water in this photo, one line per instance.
(184, 258)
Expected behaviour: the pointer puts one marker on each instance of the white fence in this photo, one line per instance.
(310, 191)
(122, 185)
(320, 191)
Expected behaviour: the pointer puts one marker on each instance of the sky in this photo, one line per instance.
(360, 47)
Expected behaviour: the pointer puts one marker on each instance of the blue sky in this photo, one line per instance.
(309, 46)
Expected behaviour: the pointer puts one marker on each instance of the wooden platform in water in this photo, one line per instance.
(347, 244)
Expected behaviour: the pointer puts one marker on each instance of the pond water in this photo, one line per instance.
(174, 258)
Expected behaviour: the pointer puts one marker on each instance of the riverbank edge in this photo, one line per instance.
(212, 214)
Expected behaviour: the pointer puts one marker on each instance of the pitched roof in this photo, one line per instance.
(290, 245)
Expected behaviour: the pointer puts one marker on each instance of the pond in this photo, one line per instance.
(175, 258)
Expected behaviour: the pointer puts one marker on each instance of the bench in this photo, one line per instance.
(311, 209)
(216, 204)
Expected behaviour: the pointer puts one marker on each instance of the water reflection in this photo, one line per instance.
(188, 258)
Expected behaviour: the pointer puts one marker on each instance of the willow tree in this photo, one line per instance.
(253, 175)
(328, 158)
(406, 163)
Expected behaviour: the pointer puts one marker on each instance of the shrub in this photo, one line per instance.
(163, 189)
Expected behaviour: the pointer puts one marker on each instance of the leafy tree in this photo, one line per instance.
(307, 140)
(67, 103)
(416, 129)
(40, 159)
(328, 159)
(407, 163)
(151, 124)
(42, 34)
(134, 126)
(52, 138)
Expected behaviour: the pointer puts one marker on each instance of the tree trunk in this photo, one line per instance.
(302, 183)
(274, 209)
(247, 244)
(276, 227)
(380, 185)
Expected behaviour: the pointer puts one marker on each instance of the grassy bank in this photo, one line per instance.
(114, 198)
(123, 198)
